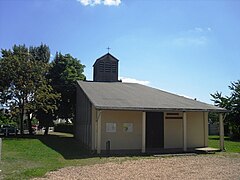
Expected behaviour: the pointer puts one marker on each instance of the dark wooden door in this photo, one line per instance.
(154, 130)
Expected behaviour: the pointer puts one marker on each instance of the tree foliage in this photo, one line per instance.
(24, 73)
(64, 72)
(31, 85)
(40, 53)
(231, 103)
(5, 119)
(44, 105)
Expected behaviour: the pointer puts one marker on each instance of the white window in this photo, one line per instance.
(111, 127)
(127, 127)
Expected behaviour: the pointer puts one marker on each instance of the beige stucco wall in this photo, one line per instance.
(121, 140)
(196, 131)
(173, 133)
(173, 130)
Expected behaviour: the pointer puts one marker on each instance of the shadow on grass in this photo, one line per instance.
(225, 139)
(68, 147)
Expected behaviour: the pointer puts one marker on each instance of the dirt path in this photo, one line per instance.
(183, 167)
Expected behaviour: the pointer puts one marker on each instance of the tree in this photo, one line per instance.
(5, 119)
(46, 105)
(32, 85)
(64, 72)
(21, 75)
(40, 53)
(24, 71)
(235, 108)
(45, 119)
(231, 103)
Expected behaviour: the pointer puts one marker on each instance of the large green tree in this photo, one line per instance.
(30, 85)
(46, 104)
(231, 103)
(64, 72)
(23, 72)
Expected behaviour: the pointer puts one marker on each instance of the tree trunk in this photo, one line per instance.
(46, 130)
(30, 125)
(22, 118)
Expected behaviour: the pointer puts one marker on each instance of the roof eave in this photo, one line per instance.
(161, 109)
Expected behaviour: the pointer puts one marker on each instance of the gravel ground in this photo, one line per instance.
(180, 167)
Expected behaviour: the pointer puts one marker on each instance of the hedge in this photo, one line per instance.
(67, 128)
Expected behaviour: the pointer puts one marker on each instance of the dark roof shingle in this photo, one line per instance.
(131, 96)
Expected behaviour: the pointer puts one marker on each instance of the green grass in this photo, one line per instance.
(34, 156)
(229, 145)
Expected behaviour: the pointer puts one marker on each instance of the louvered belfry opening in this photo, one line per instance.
(106, 69)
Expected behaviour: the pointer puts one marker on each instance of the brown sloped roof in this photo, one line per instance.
(108, 55)
(131, 96)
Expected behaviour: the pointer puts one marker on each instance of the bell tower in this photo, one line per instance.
(106, 69)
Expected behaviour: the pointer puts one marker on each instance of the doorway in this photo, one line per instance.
(154, 130)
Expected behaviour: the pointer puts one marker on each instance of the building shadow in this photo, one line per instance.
(225, 138)
(68, 147)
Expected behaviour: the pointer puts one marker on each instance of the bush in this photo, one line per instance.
(6, 120)
(67, 128)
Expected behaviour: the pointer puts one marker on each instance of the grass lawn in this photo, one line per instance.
(33, 156)
(230, 146)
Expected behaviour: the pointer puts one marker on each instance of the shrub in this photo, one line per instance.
(67, 128)
(6, 120)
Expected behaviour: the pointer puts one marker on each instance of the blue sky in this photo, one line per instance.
(190, 48)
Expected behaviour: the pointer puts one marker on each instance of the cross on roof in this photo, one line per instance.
(108, 48)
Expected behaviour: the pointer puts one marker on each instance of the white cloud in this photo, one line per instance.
(198, 29)
(98, 2)
(197, 36)
(111, 2)
(132, 80)
(84, 2)
(190, 41)
(209, 29)
(89, 2)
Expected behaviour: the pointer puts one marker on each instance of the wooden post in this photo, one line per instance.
(143, 132)
(205, 123)
(96, 132)
(184, 131)
(99, 117)
(221, 133)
